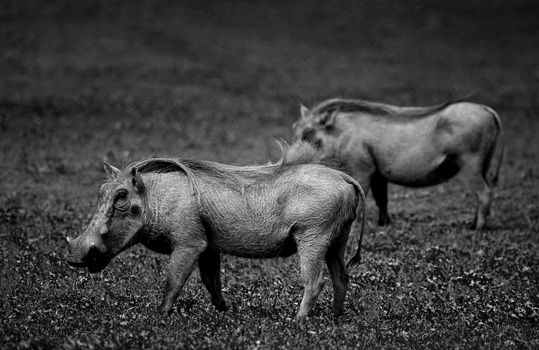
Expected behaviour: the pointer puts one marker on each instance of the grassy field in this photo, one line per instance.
(120, 81)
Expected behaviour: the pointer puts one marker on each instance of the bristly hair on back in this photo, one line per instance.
(339, 105)
(351, 105)
(301, 152)
(232, 175)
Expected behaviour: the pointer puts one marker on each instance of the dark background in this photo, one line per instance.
(83, 82)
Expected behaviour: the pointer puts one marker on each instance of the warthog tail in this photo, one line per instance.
(495, 153)
(356, 259)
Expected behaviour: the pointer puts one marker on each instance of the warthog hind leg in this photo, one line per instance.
(311, 255)
(473, 176)
(181, 264)
(339, 275)
(209, 264)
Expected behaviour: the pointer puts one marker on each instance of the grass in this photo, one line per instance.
(121, 82)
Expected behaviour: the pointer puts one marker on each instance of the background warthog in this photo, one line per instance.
(409, 146)
(196, 210)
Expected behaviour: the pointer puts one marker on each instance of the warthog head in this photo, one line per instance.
(315, 129)
(115, 223)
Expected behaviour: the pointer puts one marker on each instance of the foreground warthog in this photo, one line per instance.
(196, 210)
(409, 146)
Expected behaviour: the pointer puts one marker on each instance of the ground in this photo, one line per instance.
(121, 81)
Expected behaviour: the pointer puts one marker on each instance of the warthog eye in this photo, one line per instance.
(308, 135)
(121, 194)
(121, 200)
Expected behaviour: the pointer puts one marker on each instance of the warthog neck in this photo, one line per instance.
(169, 207)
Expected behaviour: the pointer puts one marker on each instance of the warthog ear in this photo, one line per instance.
(112, 172)
(137, 181)
(304, 111)
(328, 118)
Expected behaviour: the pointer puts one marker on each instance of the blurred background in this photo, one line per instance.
(87, 81)
(220, 80)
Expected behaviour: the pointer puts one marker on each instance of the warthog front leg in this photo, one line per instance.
(209, 264)
(181, 264)
(379, 192)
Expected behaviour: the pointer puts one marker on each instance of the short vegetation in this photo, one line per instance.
(122, 81)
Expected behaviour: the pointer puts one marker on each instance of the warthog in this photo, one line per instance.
(196, 210)
(409, 146)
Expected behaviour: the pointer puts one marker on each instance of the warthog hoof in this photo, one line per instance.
(477, 224)
(165, 308)
(220, 305)
(384, 220)
(476, 227)
(338, 310)
(300, 319)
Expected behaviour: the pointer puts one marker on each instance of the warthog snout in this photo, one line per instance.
(90, 253)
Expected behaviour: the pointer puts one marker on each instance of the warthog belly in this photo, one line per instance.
(443, 172)
(258, 249)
